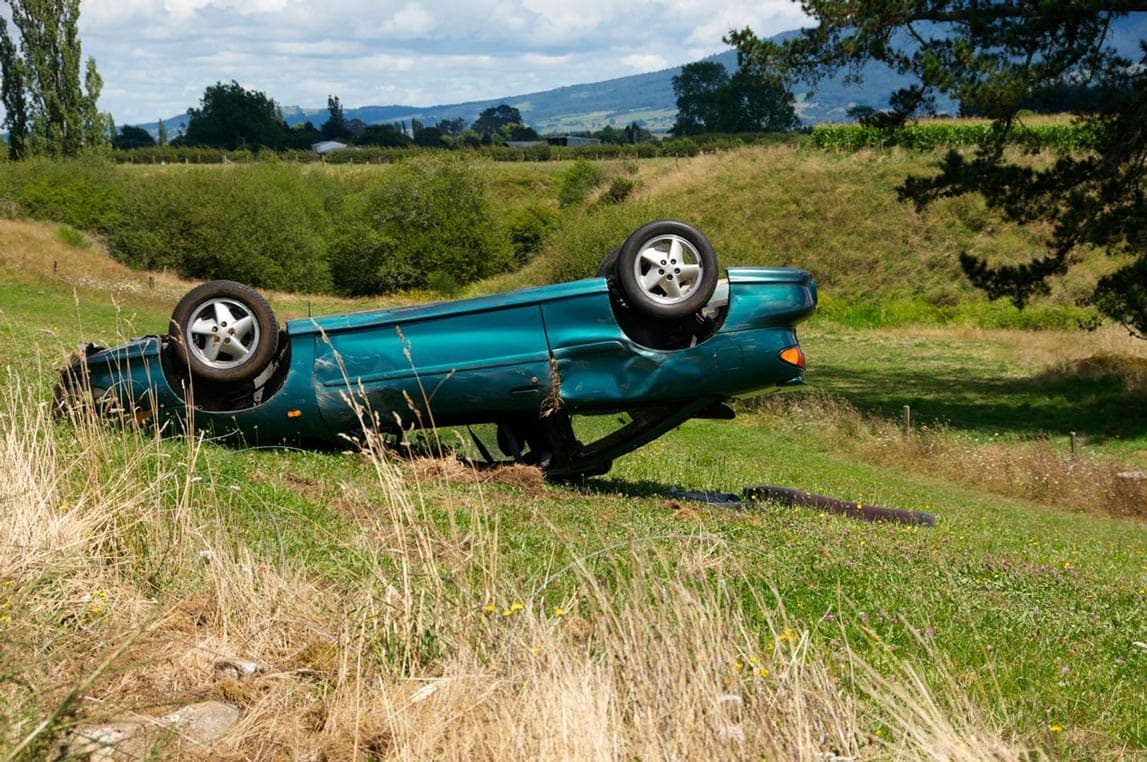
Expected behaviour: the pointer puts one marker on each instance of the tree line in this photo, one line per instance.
(233, 118)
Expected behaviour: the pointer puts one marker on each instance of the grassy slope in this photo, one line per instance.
(1029, 607)
(836, 215)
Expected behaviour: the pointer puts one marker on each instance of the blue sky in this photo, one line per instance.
(157, 56)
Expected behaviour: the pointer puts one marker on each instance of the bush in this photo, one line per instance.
(428, 213)
(577, 182)
(263, 225)
(69, 236)
(582, 238)
(443, 283)
(85, 193)
(618, 190)
(528, 229)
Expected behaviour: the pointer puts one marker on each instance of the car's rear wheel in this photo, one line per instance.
(224, 331)
(666, 269)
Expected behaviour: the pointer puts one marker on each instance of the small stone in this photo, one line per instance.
(235, 669)
(205, 722)
(119, 740)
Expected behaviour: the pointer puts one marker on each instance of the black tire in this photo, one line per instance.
(608, 267)
(666, 269)
(224, 331)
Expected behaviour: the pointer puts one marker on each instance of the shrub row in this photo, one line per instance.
(687, 146)
(926, 136)
(424, 222)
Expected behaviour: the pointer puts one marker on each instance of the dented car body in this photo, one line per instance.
(526, 361)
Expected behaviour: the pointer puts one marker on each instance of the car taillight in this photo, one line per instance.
(793, 356)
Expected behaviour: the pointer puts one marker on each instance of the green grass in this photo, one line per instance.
(1012, 593)
(976, 383)
(1030, 599)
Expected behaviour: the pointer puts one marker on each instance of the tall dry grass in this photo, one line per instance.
(1035, 469)
(124, 587)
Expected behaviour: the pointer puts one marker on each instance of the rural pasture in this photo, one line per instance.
(411, 605)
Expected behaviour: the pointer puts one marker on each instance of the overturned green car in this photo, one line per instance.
(658, 336)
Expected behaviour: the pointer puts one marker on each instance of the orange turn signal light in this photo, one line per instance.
(294, 413)
(793, 356)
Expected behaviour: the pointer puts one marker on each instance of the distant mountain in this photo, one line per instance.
(648, 98)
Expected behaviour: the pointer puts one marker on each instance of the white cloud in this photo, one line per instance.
(643, 62)
(411, 21)
(157, 56)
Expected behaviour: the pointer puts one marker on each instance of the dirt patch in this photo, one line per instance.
(528, 479)
(449, 470)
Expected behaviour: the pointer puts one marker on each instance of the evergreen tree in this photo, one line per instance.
(335, 127)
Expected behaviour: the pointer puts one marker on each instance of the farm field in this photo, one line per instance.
(414, 606)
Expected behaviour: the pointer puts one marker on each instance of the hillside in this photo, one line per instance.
(645, 98)
(648, 98)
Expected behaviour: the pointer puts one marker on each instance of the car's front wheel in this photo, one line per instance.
(224, 331)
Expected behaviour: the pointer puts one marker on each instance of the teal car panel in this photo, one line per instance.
(434, 366)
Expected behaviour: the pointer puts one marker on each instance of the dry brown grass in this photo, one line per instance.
(33, 252)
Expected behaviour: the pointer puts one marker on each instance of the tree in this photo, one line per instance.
(14, 94)
(427, 137)
(303, 136)
(231, 117)
(452, 127)
(518, 131)
(697, 88)
(709, 100)
(492, 119)
(384, 135)
(754, 103)
(47, 107)
(132, 137)
(335, 127)
(635, 132)
(994, 59)
(162, 135)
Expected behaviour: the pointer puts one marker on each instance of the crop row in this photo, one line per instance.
(926, 136)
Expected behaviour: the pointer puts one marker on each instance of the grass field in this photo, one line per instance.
(421, 608)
